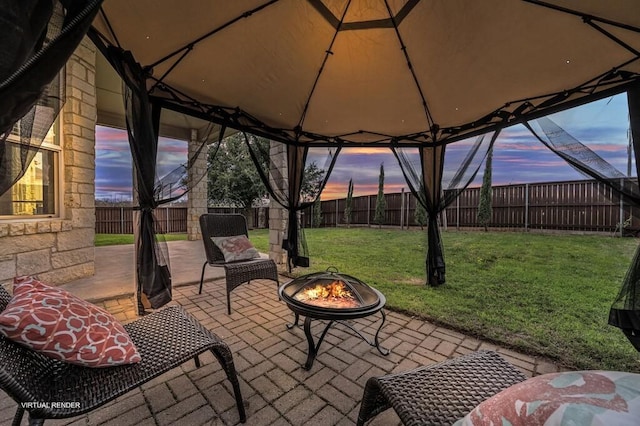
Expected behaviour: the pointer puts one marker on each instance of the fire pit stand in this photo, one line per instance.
(367, 301)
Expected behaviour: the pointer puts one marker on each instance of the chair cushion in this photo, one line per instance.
(58, 324)
(573, 398)
(236, 247)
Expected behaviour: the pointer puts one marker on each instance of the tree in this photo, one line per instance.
(420, 215)
(317, 213)
(348, 204)
(311, 182)
(234, 180)
(484, 207)
(381, 203)
(232, 176)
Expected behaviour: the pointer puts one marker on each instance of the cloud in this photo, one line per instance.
(364, 170)
(114, 165)
(518, 156)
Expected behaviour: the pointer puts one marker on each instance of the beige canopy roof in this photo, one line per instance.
(376, 71)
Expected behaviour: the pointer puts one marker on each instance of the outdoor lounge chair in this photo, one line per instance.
(439, 394)
(238, 272)
(165, 339)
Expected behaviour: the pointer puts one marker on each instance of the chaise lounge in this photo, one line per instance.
(51, 389)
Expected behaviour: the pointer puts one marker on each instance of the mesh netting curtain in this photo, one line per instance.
(36, 40)
(625, 311)
(306, 172)
(436, 179)
(153, 272)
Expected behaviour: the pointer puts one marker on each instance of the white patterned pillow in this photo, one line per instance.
(236, 247)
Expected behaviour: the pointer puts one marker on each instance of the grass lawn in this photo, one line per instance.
(114, 239)
(539, 293)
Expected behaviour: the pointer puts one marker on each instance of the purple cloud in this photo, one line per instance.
(518, 156)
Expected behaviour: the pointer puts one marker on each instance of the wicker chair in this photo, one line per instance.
(165, 340)
(439, 394)
(236, 273)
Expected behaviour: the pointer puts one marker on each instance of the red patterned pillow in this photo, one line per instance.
(56, 323)
(236, 247)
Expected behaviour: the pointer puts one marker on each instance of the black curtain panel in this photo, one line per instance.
(423, 169)
(583, 159)
(625, 311)
(152, 263)
(153, 272)
(306, 172)
(36, 40)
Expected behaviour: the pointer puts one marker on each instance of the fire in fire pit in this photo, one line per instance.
(332, 295)
(328, 292)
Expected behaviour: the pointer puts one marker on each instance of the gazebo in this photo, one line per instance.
(410, 75)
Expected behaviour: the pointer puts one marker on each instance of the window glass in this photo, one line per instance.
(35, 192)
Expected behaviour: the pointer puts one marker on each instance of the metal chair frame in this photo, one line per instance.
(236, 273)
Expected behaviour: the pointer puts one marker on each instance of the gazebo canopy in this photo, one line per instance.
(376, 72)
(396, 73)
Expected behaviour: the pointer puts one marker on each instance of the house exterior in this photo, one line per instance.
(47, 221)
(56, 242)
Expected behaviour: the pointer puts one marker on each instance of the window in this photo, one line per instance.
(36, 193)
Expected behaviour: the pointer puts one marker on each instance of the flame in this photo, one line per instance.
(336, 289)
(335, 294)
(333, 290)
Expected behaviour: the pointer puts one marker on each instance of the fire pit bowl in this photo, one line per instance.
(330, 295)
(335, 297)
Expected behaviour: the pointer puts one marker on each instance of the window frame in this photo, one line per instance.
(53, 145)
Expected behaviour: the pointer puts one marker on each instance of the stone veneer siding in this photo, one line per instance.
(58, 250)
(278, 216)
(197, 198)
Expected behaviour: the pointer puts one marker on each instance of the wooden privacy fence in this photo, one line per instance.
(577, 205)
(119, 220)
(585, 205)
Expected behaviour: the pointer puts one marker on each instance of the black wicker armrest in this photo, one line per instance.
(165, 340)
(439, 394)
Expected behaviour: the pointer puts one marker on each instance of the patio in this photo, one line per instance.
(268, 357)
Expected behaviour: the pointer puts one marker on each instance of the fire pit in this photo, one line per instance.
(335, 297)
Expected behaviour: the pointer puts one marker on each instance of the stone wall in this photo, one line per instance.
(197, 198)
(61, 249)
(278, 216)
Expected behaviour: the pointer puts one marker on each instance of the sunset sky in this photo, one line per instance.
(518, 156)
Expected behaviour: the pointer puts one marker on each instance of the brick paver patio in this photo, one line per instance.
(269, 359)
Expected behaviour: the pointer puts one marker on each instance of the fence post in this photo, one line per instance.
(621, 209)
(443, 219)
(402, 209)
(336, 212)
(526, 206)
(458, 211)
(408, 208)
(122, 220)
(368, 210)
(166, 213)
